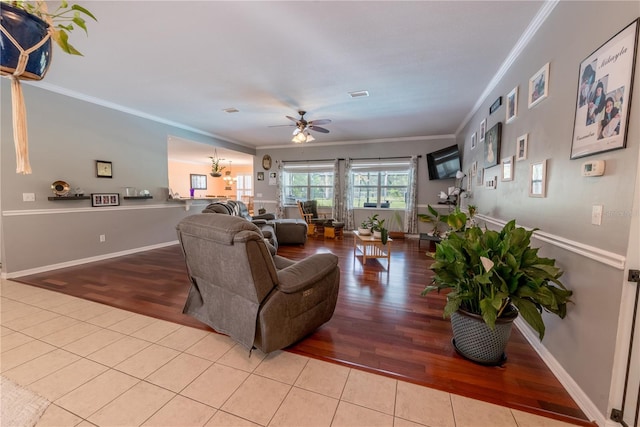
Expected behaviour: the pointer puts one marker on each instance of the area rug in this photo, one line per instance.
(20, 407)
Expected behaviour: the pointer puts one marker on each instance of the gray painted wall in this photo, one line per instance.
(584, 342)
(67, 135)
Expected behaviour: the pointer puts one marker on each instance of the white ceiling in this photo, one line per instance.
(424, 63)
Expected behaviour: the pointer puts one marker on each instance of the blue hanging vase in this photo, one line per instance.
(32, 54)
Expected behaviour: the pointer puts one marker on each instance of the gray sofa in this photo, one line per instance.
(277, 231)
(240, 289)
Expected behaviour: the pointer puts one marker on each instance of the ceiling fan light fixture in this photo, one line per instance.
(310, 137)
(299, 138)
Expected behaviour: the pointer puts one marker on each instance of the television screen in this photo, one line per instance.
(443, 164)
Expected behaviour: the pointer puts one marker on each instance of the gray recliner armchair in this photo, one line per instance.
(240, 289)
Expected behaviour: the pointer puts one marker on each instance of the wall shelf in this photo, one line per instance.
(137, 197)
(60, 198)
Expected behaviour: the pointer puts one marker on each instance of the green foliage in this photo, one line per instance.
(370, 222)
(61, 20)
(215, 165)
(487, 271)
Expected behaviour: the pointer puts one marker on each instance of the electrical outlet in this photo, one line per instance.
(634, 276)
(103, 238)
(596, 214)
(28, 197)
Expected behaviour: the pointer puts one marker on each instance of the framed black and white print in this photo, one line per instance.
(538, 179)
(104, 169)
(539, 86)
(605, 80)
(522, 147)
(483, 129)
(473, 140)
(105, 199)
(507, 169)
(492, 145)
(512, 105)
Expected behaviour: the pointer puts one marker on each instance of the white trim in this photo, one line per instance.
(611, 259)
(85, 260)
(574, 390)
(26, 212)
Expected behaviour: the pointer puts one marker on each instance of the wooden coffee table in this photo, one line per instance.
(370, 247)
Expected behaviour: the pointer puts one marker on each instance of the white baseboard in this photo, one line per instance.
(574, 390)
(85, 260)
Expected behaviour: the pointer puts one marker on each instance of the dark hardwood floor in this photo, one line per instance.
(381, 323)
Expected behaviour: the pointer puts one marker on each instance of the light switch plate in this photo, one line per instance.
(28, 197)
(596, 214)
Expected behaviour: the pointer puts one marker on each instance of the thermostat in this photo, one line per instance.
(593, 168)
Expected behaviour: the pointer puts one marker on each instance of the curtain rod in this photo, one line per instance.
(353, 158)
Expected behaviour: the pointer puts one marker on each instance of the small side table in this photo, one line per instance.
(429, 238)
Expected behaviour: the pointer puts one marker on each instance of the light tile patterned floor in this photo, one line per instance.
(104, 366)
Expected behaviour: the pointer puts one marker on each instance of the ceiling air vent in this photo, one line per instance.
(231, 110)
(359, 94)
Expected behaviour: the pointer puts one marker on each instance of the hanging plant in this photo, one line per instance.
(27, 28)
(216, 168)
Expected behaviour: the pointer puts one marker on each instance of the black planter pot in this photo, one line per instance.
(474, 340)
(28, 30)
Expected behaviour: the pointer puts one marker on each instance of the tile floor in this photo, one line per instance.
(104, 366)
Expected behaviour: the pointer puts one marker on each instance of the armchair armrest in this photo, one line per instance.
(304, 273)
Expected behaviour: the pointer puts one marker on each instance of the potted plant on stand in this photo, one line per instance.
(27, 28)
(380, 231)
(492, 276)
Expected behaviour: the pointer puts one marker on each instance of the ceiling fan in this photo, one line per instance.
(301, 133)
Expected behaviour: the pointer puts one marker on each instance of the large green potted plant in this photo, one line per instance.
(492, 276)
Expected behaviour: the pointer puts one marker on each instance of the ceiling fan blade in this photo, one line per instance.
(278, 126)
(320, 122)
(291, 118)
(318, 129)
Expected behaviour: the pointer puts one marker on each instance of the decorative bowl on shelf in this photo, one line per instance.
(60, 188)
(364, 231)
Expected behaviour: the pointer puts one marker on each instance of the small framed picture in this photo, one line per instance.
(492, 145)
(512, 105)
(539, 86)
(483, 129)
(473, 140)
(491, 182)
(538, 179)
(507, 169)
(521, 147)
(474, 168)
(104, 169)
(469, 180)
(479, 177)
(105, 199)
(260, 176)
(198, 182)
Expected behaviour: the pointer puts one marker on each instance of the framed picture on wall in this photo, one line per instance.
(507, 168)
(538, 179)
(539, 86)
(483, 129)
(473, 140)
(605, 80)
(521, 147)
(492, 145)
(512, 105)
(198, 182)
(105, 199)
(260, 176)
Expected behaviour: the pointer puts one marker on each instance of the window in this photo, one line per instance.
(308, 182)
(198, 182)
(382, 183)
(244, 186)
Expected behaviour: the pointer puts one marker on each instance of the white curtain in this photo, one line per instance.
(347, 203)
(279, 205)
(338, 209)
(411, 214)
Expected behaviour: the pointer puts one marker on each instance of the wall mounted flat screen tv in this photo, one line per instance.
(443, 164)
